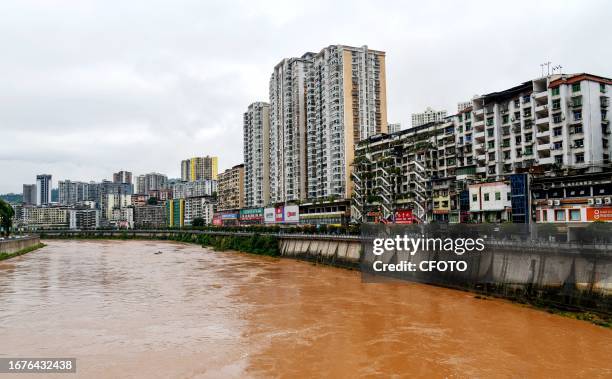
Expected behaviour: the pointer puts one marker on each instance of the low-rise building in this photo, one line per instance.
(490, 202)
(84, 219)
(35, 217)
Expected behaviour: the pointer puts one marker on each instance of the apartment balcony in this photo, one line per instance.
(546, 160)
(542, 109)
(540, 96)
(543, 146)
(543, 120)
(479, 125)
(479, 136)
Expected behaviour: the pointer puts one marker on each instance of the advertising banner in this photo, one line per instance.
(599, 214)
(217, 220)
(229, 216)
(403, 216)
(269, 215)
(292, 214)
(255, 214)
(278, 214)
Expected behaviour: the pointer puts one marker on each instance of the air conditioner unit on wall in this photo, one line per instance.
(607, 200)
(591, 201)
(550, 202)
(598, 201)
(556, 202)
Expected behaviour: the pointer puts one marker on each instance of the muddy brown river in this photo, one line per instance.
(124, 311)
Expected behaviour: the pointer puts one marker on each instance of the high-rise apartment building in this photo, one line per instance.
(122, 177)
(257, 155)
(428, 116)
(151, 182)
(321, 104)
(199, 168)
(71, 193)
(346, 102)
(199, 207)
(230, 194)
(29, 194)
(43, 186)
(288, 129)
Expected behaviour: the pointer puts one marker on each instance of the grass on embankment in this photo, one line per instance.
(26, 250)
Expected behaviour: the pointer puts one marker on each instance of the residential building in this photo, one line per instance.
(122, 177)
(43, 186)
(199, 207)
(29, 194)
(553, 129)
(175, 213)
(199, 168)
(83, 219)
(346, 103)
(230, 194)
(428, 116)
(321, 104)
(490, 202)
(151, 182)
(149, 216)
(196, 188)
(114, 202)
(394, 128)
(122, 218)
(288, 129)
(104, 191)
(257, 155)
(45, 217)
(71, 193)
(463, 105)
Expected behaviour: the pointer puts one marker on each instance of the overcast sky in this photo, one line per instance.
(88, 88)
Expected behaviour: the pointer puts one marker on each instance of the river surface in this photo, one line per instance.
(124, 311)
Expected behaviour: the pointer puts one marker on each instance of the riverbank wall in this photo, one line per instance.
(13, 245)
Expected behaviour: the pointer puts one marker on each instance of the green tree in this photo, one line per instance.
(198, 221)
(6, 217)
(152, 201)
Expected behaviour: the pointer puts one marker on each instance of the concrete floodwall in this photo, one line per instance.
(340, 252)
(13, 245)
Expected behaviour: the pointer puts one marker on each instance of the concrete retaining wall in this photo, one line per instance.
(13, 245)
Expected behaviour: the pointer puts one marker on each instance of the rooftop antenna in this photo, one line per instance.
(558, 68)
(547, 64)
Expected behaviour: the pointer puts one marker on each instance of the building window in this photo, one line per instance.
(555, 91)
(517, 140)
(468, 115)
(559, 159)
(505, 119)
(577, 129)
(497, 195)
(528, 137)
(558, 145)
(468, 126)
(508, 196)
(560, 215)
(602, 87)
(557, 118)
(489, 121)
(491, 156)
(578, 143)
(557, 131)
(556, 104)
(577, 115)
(576, 87)
(490, 132)
(486, 197)
(474, 198)
(579, 157)
(574, 214)
(491, 144)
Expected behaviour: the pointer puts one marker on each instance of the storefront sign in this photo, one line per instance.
(599, 214)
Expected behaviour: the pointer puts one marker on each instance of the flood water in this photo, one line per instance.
(124, 311)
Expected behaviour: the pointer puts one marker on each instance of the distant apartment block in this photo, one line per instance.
(257, 155)
(29, 194)
(151, 182)
(394, 128)
(463, 105)
(197, 188)
(43, 186)
(199, 168)
(71, 193)
(122, 177)
(230, 194)
(149, 216)
(429, 115)
(83, 219)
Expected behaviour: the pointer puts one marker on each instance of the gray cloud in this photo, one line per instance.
(91, 87)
